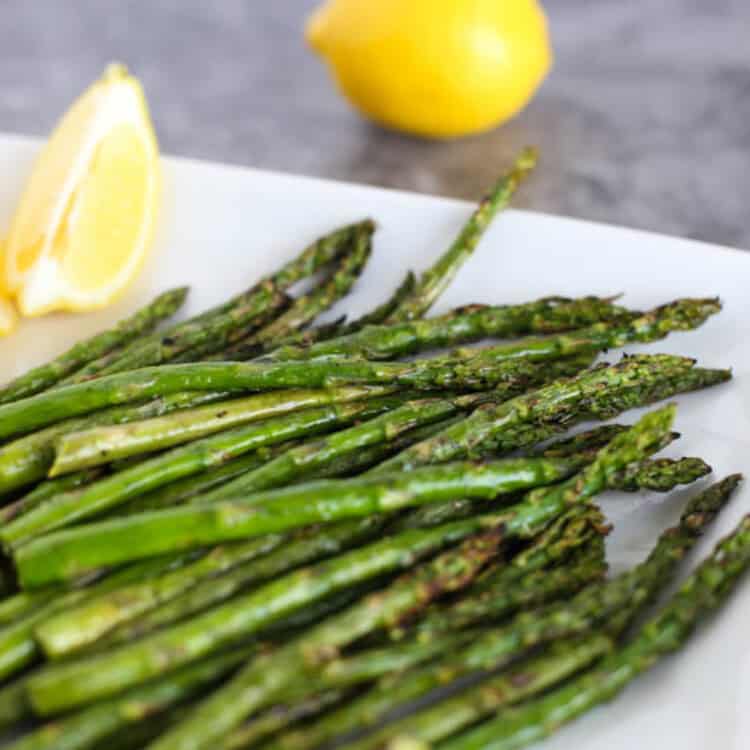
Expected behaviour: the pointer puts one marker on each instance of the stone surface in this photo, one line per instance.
(644, 121)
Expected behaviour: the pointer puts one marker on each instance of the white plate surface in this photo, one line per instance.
(222, 227)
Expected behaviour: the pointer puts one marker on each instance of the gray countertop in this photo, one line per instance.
(643, 122)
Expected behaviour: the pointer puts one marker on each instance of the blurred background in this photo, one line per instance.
(642, 122)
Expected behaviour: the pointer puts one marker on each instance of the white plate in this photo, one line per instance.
(223, 227)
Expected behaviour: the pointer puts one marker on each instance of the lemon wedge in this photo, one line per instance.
(86, 217)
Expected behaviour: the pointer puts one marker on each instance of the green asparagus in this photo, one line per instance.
(307, 307)
(233, 319)
(434, 281)
(603, 392)
(70, 553)
(620, 600)
(27, 459)
(75, 683)
(259, 683)
(706, 589)
(184, 461)
(101, 445)
(45, 376)
(463, 325)
(473, 373)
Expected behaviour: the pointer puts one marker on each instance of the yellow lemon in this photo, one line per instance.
(85, 220)
(438, 68)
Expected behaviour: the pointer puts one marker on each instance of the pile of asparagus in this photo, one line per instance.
(247, 530)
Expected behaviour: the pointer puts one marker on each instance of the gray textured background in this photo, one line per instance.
(645, 120)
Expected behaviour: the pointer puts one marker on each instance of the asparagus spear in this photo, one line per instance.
(214, 332)
(230, 704)
(47, 489)
(463, 325)
(469, 370)
(705, 589)
(45, 376)
(69, 553)
(298, 462)
(185, 490)
(27, 459)
(131, 611)
(265, 679)
(326, 331)
(555, 663)
(77, 626)
(101, 445)
(235, 317)
(184, 461)
(661, 475)
(603, 391)
(18, 648)
(151, 382)
(87, 728)
(534, 588)
(435, 280)
(613, 604)
(306, 308)
(75, 683)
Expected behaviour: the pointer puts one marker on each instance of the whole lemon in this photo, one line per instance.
(438, 68)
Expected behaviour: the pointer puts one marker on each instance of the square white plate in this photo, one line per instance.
(222, 227)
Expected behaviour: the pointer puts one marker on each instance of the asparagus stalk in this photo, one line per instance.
(296, 463)
(47, 489)
(619, 600)
(704, 590)
(307, 307)
(77, 626)
(70, 553)
(184, 461)
(463, 325)
(233, 319)
(326, 331)
(151, 382)
(532, 589)
(435, 280)
(201, 485)
(75, 683)
(479, 370)
(87, 728)
(661, 475)
(101, 445)
(45, 376)
(611, 606)
(18, 648)
(212, 333)
(257, 684)
(304, 548)
(603, 392)
(136, 609)
(229, 705)
(27, 459)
